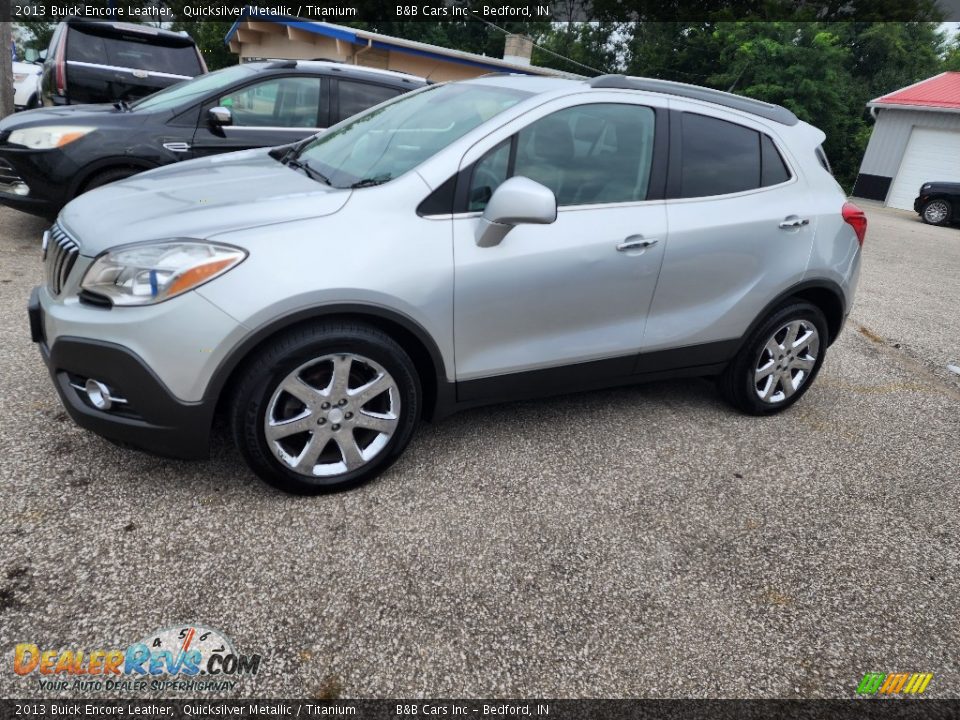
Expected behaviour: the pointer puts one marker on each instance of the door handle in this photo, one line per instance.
(635, 242)
(792, 222)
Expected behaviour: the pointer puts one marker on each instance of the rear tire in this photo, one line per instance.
(339, 400)
(936, 212)
(779, 361)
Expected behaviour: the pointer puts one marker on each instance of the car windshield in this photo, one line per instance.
(174, 95)
(393, 138)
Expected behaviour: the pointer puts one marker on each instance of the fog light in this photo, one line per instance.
(98, 394)
(20, 188)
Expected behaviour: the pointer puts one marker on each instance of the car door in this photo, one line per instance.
(272, 111)
(739, 234)
(553, 297)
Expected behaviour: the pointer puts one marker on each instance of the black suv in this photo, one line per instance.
(51, 155)
(98, 62)
(938, 203)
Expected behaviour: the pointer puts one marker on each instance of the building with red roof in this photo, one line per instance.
(916, 139)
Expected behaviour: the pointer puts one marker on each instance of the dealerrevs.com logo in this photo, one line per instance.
(187, 658)
(894, 683)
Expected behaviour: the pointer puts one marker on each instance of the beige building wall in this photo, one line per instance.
(259, 40)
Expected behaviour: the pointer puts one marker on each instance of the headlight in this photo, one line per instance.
(47, 138)
(153, 272)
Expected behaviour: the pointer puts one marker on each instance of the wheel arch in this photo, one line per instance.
(825, 294)
(83, 178)
(409, 334)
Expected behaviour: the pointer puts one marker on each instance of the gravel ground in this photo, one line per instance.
(646, 542)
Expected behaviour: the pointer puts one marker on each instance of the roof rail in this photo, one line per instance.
(769, 111)
(282, 64)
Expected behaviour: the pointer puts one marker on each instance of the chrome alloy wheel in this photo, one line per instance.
(936, 212)
(786, 361)
(332, 415)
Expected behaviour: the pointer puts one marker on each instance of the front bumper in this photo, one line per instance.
(152, 419)
(919, 203)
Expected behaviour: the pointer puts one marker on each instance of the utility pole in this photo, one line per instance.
(6, 68)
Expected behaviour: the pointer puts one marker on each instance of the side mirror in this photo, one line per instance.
(40, 57)
(518, 201)
(220, 116)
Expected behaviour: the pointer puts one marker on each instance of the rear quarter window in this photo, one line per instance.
(133, 53)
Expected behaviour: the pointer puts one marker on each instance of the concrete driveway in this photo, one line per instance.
(640, 542)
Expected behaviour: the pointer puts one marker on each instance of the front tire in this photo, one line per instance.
(108, 176)
(325, 408)
(936, 212)
(779, 361)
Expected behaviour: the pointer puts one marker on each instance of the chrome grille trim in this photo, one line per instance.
(62, 253)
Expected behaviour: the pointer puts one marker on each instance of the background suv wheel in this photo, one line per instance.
(326, 407)
(936, 212)
(778, 362)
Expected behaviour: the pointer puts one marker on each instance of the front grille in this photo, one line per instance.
(8, 175)
(62, 253)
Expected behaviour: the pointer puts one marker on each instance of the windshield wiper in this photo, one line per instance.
(122, 105)
(305, 166)
(371, 181)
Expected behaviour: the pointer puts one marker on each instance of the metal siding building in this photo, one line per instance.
(916, 139)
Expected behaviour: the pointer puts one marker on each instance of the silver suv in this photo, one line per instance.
(467, 243)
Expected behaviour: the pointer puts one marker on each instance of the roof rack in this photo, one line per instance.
(769, 111)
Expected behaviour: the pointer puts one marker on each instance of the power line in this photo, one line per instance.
(539, 47)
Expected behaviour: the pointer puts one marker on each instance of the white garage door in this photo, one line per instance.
(930, 155)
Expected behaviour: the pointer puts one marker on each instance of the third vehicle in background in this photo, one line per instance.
(26, 85)
(100, 62)
(938, 203)
(51, 155)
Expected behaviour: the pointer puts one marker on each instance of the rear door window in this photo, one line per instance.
(132, 52)
(719, 157)
(355, 97)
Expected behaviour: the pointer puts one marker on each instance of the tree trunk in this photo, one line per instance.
(6, 70)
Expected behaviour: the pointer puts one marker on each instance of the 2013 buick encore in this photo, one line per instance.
(478, 241)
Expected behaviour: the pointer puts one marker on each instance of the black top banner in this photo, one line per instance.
(459, 10)
(203, 709)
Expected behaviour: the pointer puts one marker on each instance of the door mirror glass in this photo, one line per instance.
(517, 201)
(220, 116)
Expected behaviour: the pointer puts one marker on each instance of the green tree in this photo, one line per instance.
(952, 59)
(209, 36)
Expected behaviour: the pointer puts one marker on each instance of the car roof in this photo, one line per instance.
(538, 85)
(332, 67)
(114, 28)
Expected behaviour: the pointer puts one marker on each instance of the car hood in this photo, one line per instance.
(81, 114)
(943, 186)
(197, 199)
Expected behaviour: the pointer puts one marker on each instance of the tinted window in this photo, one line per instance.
(193, 90)
(358, 96)
(590, 153)
(131, 52)
(773, 170)
(719, 157)
(492, 169)
(822, 159)
(279, 102)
